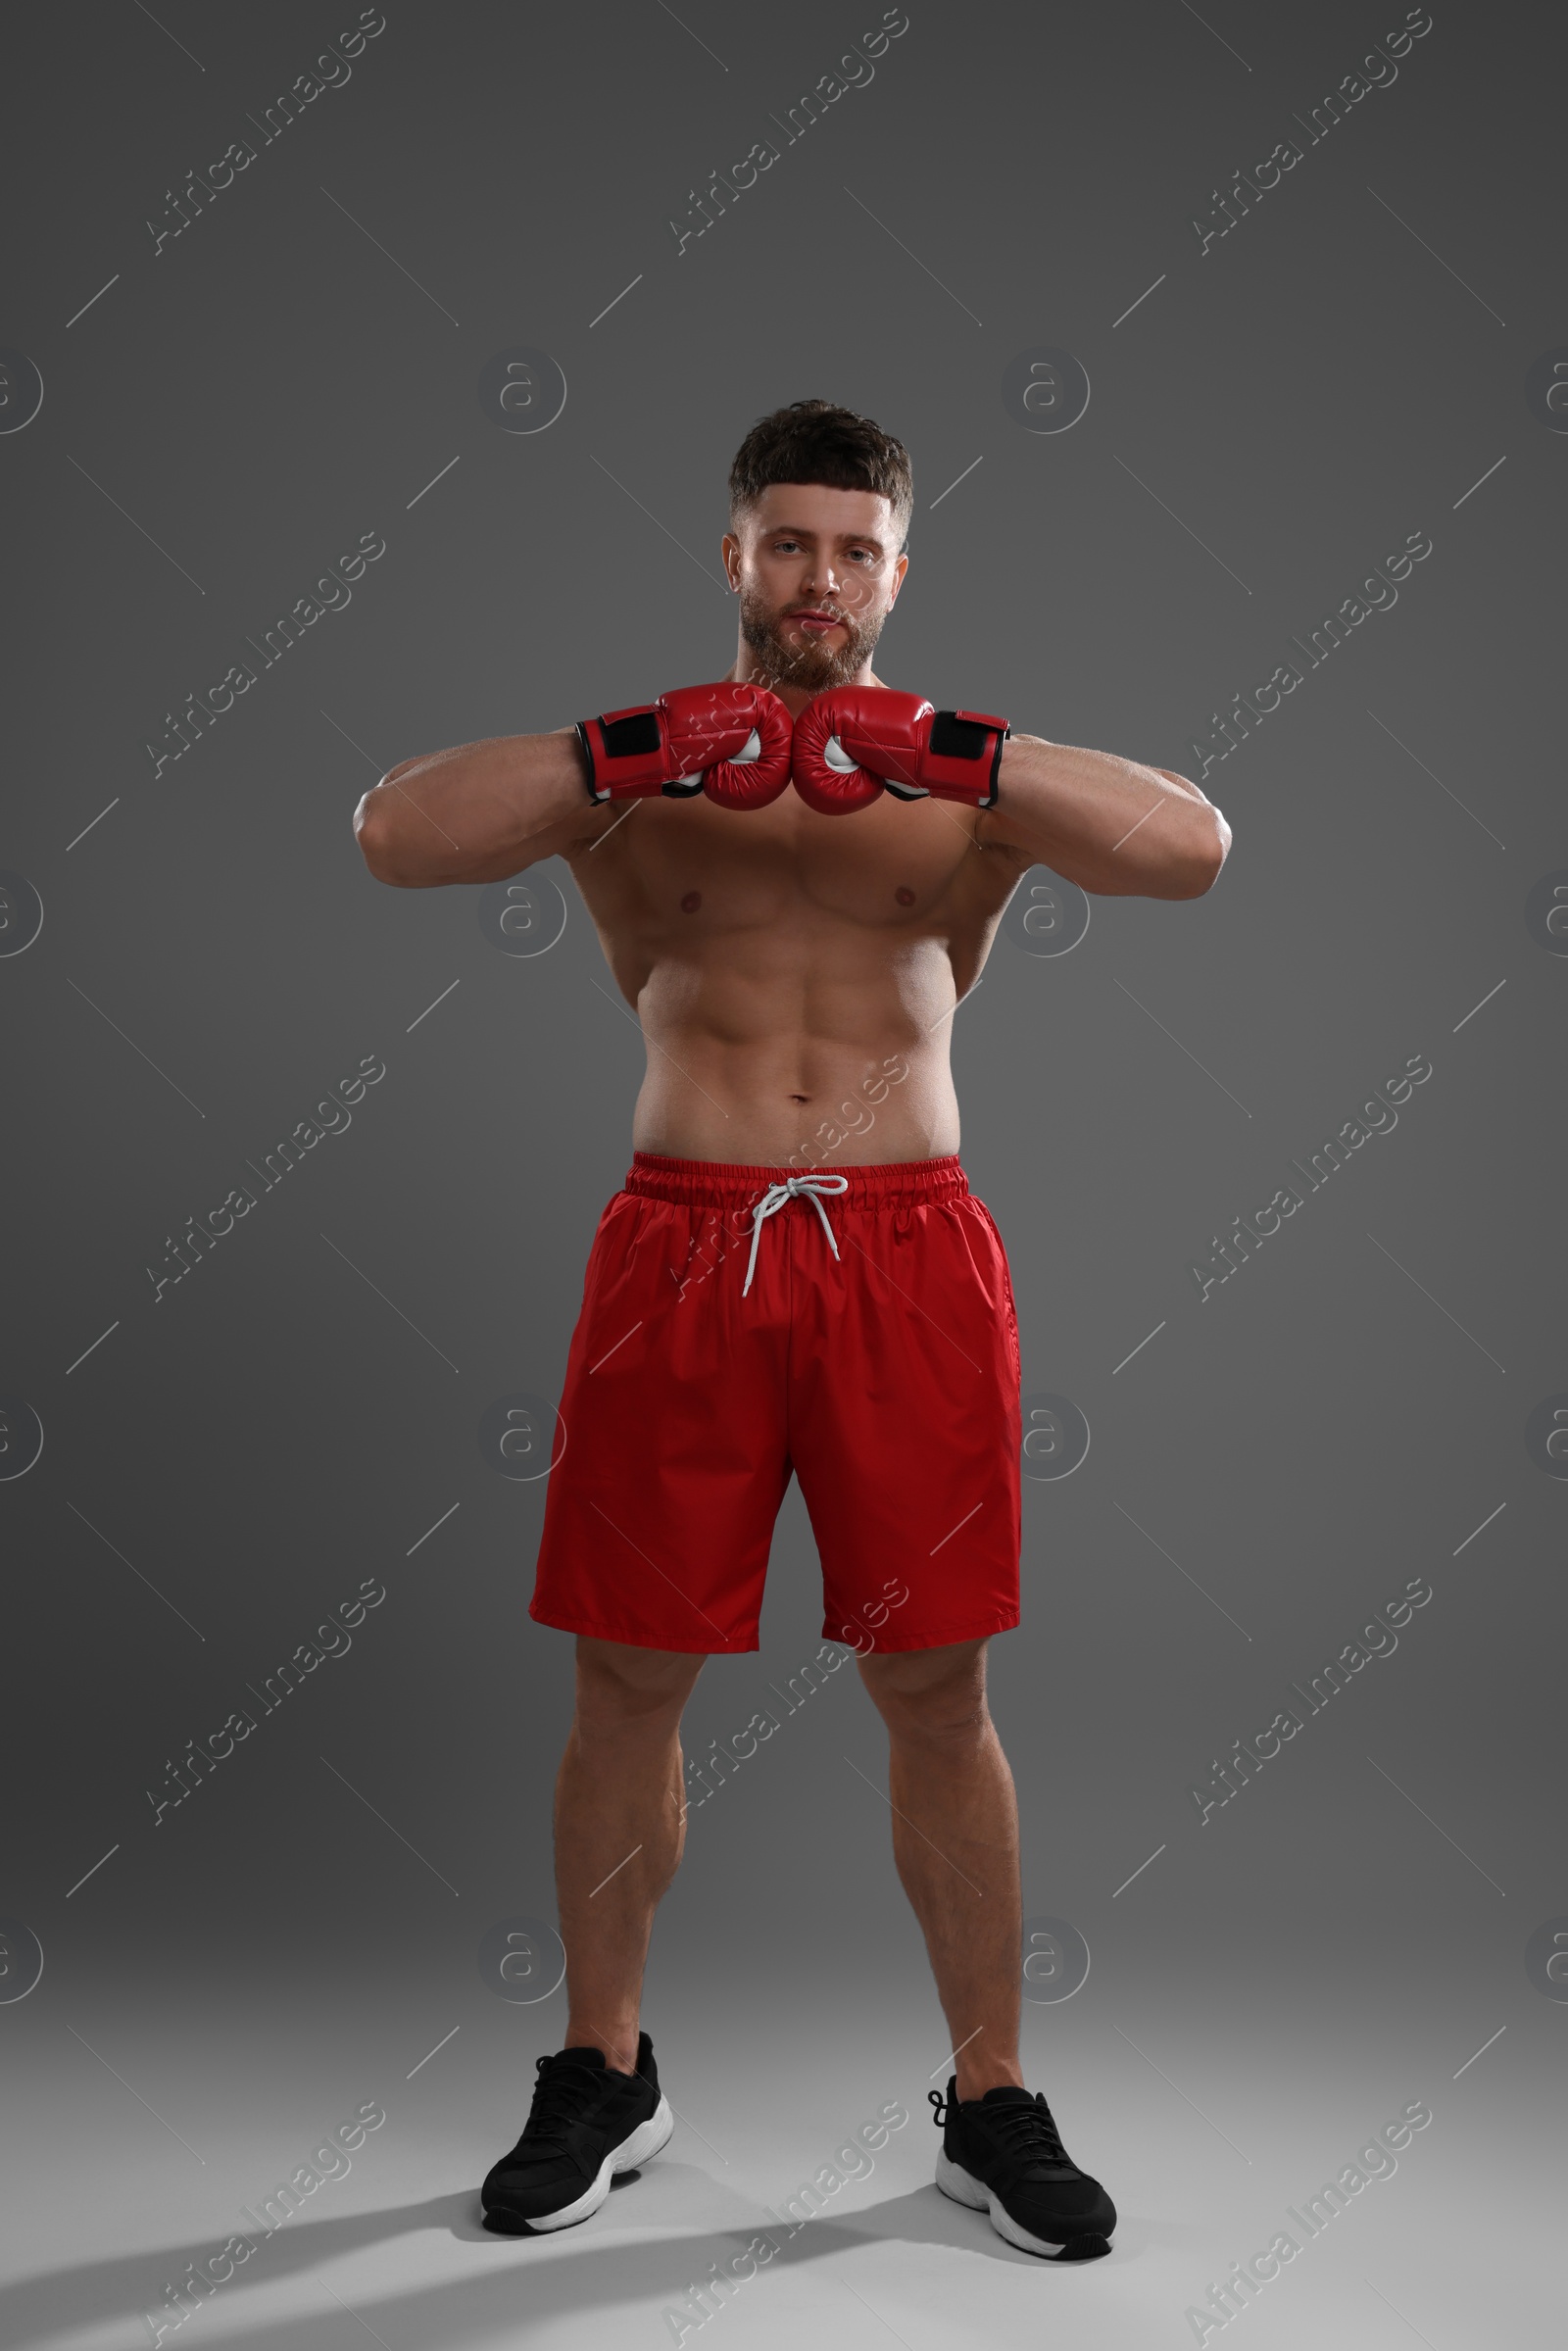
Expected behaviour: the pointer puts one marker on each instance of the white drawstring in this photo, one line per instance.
(806, 1187)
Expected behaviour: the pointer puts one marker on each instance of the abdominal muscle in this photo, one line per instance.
(775, 1069)
(794, 976)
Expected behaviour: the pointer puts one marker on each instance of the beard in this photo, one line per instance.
(790, 656)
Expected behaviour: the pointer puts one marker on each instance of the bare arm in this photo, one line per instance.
(1111, 825)
(478, 813)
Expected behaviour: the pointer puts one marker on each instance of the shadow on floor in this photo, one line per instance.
(518, 2280)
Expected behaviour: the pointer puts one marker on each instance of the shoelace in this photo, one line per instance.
(558, 2095)
(1027, 2132)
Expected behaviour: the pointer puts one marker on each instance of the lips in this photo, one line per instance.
(817, 620)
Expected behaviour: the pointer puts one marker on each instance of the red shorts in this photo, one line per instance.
(885, 1377)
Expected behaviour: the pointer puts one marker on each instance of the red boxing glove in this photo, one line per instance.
(729, 741)
(851, 744)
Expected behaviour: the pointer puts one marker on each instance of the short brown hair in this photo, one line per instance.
(817, 441)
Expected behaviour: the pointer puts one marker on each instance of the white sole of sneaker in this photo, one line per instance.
(643, 2145)
(963, 2187)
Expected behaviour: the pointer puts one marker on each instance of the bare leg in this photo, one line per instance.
(955, 1844)
(620, 1823)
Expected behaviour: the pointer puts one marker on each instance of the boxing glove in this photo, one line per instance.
(729, 741)
(852, 744)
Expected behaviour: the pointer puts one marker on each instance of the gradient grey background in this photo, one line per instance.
(302, 1410)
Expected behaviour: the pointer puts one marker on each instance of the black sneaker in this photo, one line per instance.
(586, 2122)
(1003, 2154)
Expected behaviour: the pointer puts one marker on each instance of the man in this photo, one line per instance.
(795, 874)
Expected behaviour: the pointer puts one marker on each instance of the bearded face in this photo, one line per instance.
(817, 571)
(793, 653)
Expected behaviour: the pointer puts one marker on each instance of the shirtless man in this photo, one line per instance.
(796, 1275)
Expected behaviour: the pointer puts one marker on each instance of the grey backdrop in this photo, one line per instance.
(311, 364)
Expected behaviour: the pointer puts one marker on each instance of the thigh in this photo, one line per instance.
(659, 1512)
(904, 1428)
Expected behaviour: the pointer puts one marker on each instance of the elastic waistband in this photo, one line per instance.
(716, 1184)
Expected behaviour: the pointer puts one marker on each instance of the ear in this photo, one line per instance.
(730, 549)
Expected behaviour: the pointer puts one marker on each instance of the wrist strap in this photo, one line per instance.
(632, 740)
(971, 735)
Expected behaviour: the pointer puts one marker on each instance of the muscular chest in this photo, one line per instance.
(686, 865)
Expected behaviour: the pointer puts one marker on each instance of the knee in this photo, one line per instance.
(955, 1718)
(933, 1697)
(623, 1690)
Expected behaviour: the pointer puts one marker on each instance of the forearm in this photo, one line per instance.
(1112, 825)
(478, 812)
